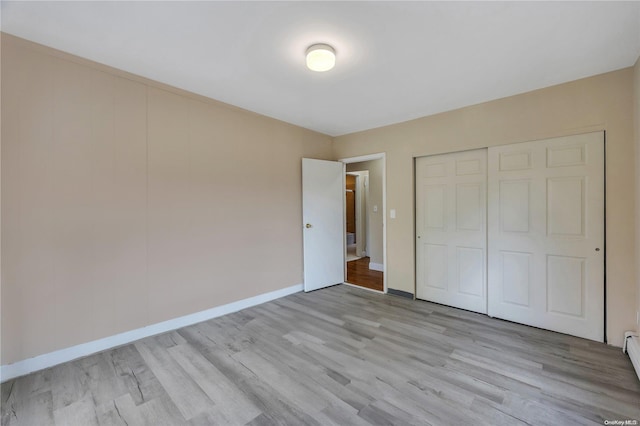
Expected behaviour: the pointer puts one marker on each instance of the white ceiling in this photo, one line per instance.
(395, 60)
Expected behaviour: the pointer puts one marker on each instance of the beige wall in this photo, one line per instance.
(603, 102)
(375, 239)
(636, 118)
(126, 203)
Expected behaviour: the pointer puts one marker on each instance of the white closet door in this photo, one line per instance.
(451, 236)
(546, 234)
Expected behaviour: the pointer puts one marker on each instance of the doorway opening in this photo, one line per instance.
(356, 224)
(365, 236)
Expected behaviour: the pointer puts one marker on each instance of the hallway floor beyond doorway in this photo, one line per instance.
(358, 273)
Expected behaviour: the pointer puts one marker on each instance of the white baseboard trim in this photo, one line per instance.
(40, 362)
(376, 266)
(632, 345)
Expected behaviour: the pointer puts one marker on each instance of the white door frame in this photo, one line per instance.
(369, 157)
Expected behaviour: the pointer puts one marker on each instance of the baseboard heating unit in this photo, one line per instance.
(632, 348)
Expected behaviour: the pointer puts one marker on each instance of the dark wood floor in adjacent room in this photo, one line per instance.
(358, 273)
(337, 356)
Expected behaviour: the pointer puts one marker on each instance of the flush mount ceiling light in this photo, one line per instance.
(321, 57)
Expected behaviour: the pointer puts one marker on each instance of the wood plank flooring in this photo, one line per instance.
(338, 356)
(358, 273)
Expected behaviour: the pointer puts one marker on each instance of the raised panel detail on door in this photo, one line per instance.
(436, 265)
(435, 170)
(469, 167)
(546, 234)
(566, 156)
(565, 206)
(515, 160)
(470, 202)
(451, 229)
(515, 277)
(565, 285)
(470, 261)
(514, 205)
(434, 206)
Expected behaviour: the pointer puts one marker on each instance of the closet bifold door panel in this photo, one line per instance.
(546, 234)
(451, 235)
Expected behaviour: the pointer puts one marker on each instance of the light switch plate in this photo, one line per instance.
(375, 209)
(392, 213)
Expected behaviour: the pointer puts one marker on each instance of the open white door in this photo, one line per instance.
(546, 234)
(323, 221)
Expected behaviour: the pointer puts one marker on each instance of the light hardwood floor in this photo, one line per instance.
(337, 356)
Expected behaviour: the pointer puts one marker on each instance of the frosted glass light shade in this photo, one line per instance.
(321, 57)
